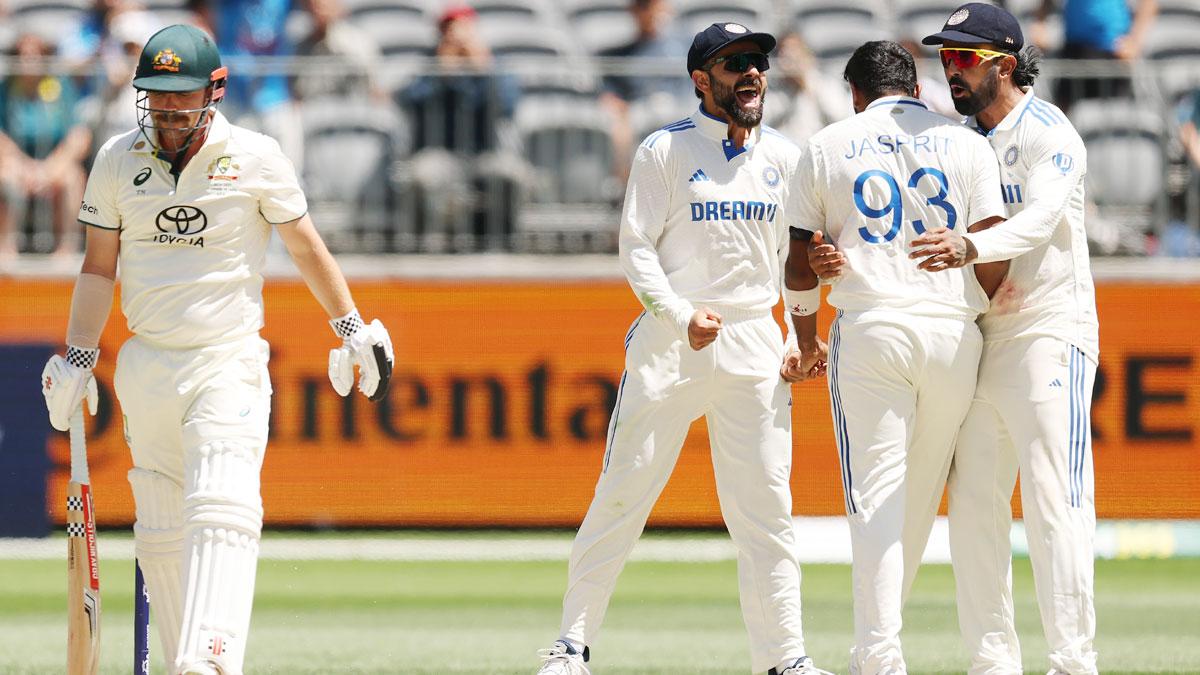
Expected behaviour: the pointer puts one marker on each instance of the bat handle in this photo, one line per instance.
(79, 467)
(141, 624)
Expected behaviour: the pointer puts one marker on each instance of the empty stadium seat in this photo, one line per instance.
(569, 145)
(602, 25)
(1126, 157)
(349, 146)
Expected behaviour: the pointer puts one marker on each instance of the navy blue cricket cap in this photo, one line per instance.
(977, 22)
(720, 35)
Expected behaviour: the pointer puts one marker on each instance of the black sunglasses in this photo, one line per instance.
(741, 62)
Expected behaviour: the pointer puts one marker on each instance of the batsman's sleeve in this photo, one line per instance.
(647, 202)
(281, 200)
(1058, 168)
(986, 194)
(99, 206)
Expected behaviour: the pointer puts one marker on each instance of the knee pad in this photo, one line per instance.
(158, 537)
(222, 513)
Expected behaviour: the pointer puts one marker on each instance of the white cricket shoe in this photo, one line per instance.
(562, 659)
(801, 666)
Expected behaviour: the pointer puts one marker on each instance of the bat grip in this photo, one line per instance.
(79, 467)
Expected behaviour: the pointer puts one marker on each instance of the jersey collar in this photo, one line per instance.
(718, 130)
(1011, 120)
(896, 100)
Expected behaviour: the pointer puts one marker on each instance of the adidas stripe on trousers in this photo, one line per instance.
(735, 384)
(1032, 412)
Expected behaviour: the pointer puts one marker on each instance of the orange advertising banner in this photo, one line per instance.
(502, 392)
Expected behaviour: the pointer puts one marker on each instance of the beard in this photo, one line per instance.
(726, 99)
(979, 98)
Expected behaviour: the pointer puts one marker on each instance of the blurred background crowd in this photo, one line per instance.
(507, 125)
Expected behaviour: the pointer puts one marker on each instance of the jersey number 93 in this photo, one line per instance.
(895, 204)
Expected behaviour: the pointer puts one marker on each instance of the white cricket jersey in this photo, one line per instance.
(192, 248)
(705, 223)
(1049, 288)
(874, 182)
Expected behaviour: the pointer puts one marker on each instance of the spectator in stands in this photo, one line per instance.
(660, 95)
(89, 49)
(350, 53)
(468, 172)
(1097, 30)
(255, 28)
(803, 100)
(113, 110)
(42, 147)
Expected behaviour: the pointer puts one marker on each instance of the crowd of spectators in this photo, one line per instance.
(464, 171)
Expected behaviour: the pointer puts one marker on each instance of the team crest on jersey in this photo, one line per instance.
(223, 168)
(770, 176)
(167, 60)
(1010, 155)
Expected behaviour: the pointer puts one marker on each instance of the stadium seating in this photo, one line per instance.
(1126, 147)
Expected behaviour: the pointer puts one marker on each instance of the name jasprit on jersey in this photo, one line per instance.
(734, 210)
(886, 144)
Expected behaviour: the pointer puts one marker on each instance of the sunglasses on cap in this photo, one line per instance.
(965, 57)
(741, 62)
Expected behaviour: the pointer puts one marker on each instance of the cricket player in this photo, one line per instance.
(904, 348)
(1041, 347)
(186, 203)
(703, 237)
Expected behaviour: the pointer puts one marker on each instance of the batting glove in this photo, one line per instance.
(367, 346)
(66, 382)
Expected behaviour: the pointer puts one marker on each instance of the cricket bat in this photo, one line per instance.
(83, 567)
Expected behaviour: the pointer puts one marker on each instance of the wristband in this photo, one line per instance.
(802, 303)
(345, 326)
(81, 357)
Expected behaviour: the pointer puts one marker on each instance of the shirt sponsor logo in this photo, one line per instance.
(734, 210)
(698, 176)
(178, 224)
(85, 207)
(142, 177)
(1011, 193)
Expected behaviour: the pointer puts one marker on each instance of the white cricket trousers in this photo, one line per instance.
(734, 382)
(899, 388)
(1032, 412)
(196, 425)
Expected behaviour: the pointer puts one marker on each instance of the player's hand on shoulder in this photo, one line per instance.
(67, 382)
(366, 345)
(824, 258)
(941, 249)
(703, 328)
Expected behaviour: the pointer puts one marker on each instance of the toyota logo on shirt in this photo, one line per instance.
(181, 220)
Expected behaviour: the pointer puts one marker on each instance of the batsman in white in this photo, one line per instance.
(1041, 346)
(186, 203)
(703, 236)
(904, 348)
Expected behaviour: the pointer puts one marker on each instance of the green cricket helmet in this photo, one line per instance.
(179, 59)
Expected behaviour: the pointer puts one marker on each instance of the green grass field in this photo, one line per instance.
(489, 617)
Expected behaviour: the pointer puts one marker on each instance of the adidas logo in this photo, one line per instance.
(698, 176)
(1056, 383)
